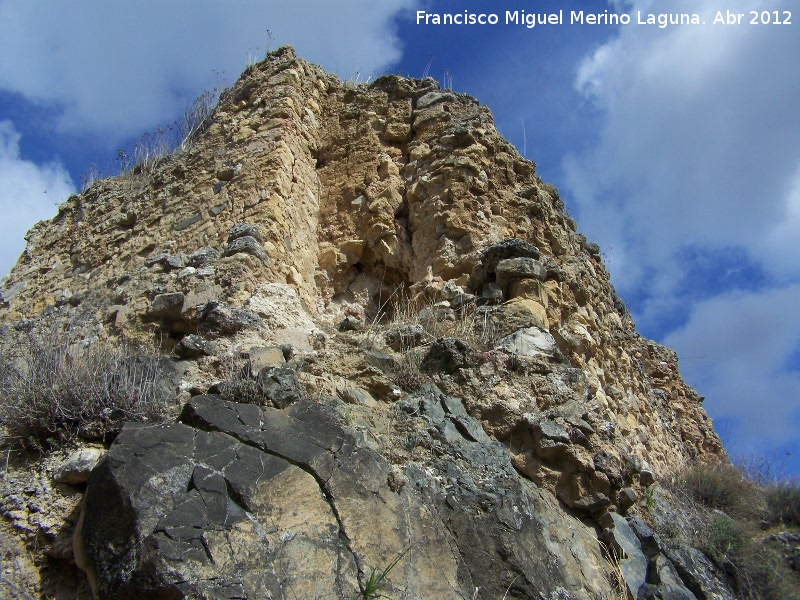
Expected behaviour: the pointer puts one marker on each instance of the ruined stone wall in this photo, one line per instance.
(346, 193)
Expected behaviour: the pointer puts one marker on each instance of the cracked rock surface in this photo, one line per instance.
(242, 501)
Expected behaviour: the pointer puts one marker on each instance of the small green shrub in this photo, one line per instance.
(724, 539)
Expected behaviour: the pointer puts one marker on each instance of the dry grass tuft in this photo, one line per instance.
(53, 388)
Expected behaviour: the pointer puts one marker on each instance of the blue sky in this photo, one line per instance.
(677, 148)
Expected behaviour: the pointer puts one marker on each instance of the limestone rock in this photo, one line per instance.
(76, 468)
(519, 313)
(530, 341)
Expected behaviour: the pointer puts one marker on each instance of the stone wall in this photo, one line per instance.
(349, 193)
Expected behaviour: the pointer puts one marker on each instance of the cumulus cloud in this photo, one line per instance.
(117, 68)
(27, 194)
(737, 346)
(699, 143)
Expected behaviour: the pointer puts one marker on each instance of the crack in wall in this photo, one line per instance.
(326, 493)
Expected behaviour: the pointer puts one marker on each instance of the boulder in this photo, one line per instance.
(241, 501)
(447, 355)
(529, 342)
(76, 468)
(218, 319)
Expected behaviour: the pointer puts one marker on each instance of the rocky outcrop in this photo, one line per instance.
(508, 417)
(238, 501)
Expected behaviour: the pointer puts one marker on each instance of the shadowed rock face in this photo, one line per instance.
(238, 501)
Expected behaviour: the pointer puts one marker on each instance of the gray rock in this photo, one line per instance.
(625, 499)
(356, 395)
(188, 221)
(381, 361)
(404, 337)
(248, 245)
(507, 248)
(670, 586)
(193, 345)
(624, 544)
(491, 293)
(240, 501)
(699, 574)
(176, 261)
(168, 261)
(519, 268)
(280, 385)
(461, 300)
(592, 248)
(609, 465)
(447, 355)
(646, 478)
(218, 319)
(75, 470)
(350, 324)
(12, 291)
(649, 540)
(551, 431)
(432, 98)
(244, 230)
(166, 306)
(203, 257)
(451, 290)
(436, 314)
(261, 357)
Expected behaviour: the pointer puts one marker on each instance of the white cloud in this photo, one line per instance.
(738, 348)
(28, 193)
(700, 142)
(117, 68)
